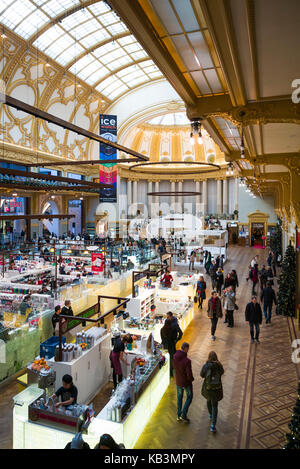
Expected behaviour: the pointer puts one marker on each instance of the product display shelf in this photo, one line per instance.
(140, 306)
(90, 371)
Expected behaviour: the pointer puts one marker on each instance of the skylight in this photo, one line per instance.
(177, 118)
(92, 41)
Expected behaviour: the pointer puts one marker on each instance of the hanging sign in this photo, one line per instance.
(108, 172)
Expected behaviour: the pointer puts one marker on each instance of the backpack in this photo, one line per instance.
(213, 380)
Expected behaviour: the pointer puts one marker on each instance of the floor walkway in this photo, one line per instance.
(260, 382)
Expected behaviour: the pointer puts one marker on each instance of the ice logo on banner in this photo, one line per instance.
(108, 171)
(2, 351)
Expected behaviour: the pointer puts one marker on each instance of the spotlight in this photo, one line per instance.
(192, 141)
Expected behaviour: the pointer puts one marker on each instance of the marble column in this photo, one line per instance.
(219, 197)
(173, 197)
(198, 206)
(150, 199)
(204, 197)
(180, 198)
(129, 196)
(157, 198)
(225, 196)
(134, 197)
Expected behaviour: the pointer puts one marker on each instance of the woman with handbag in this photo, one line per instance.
(212, 388)
(229, 305)
(201, 291)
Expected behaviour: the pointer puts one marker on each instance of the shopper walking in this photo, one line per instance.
(253, 315)
(229, 305)
(208, 262)
(168, 336)
(235, 279)
(192, 260)
(214, 312)
(254, 278)
(228, 282)
(219, 280)
(268, 297)
(201, 291)
(184, 381)
(263, 275)
(212, 389)
(213, 274)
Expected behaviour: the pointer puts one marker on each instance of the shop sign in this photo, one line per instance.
(97, 262)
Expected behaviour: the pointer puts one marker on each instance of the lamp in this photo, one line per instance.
(229, 170)
(196, 130)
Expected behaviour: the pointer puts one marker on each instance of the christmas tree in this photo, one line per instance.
(293, 438)
(287, 284)
(276, 240)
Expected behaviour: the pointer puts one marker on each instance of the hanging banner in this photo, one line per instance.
(97, 262)
(108, 172)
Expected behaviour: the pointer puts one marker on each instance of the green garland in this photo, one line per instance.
(287, 284)
(293, 438)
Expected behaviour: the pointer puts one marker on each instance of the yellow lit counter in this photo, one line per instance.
(28, 435)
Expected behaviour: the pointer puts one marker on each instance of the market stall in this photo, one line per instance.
(38, 425)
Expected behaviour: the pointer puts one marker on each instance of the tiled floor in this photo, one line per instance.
(260, 383)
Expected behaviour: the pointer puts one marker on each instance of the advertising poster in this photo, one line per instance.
(97, 262)
(108, 172)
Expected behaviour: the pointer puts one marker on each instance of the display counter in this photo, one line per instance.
(147, 311)
(124, 417)
(90, 371)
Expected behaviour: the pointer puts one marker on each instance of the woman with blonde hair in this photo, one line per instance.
(212, 388)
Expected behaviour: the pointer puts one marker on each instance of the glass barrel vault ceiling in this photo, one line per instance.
(91, 42)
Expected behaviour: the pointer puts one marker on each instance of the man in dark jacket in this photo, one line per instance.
(175, 324)
(253, 315)
(184, 381)
(213, 274)
(263, 275)
(268, 297)
(214, 312)
(67, 309)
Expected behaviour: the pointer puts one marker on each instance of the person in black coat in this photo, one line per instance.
(67, 309)
(169, 334)
(268, 297)
(253, 315)
(212, 389)
(175, 324)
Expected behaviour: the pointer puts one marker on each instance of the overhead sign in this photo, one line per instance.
(108, 172)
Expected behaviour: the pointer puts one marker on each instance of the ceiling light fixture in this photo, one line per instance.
(229, 170)
(196, 130)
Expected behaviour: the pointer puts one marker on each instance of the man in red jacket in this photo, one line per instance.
(184, 381)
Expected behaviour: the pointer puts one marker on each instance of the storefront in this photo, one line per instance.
(11, 230)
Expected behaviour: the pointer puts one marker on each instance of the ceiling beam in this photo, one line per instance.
(21, 106)
(139, 24)
(48, 177)
(260, 112)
